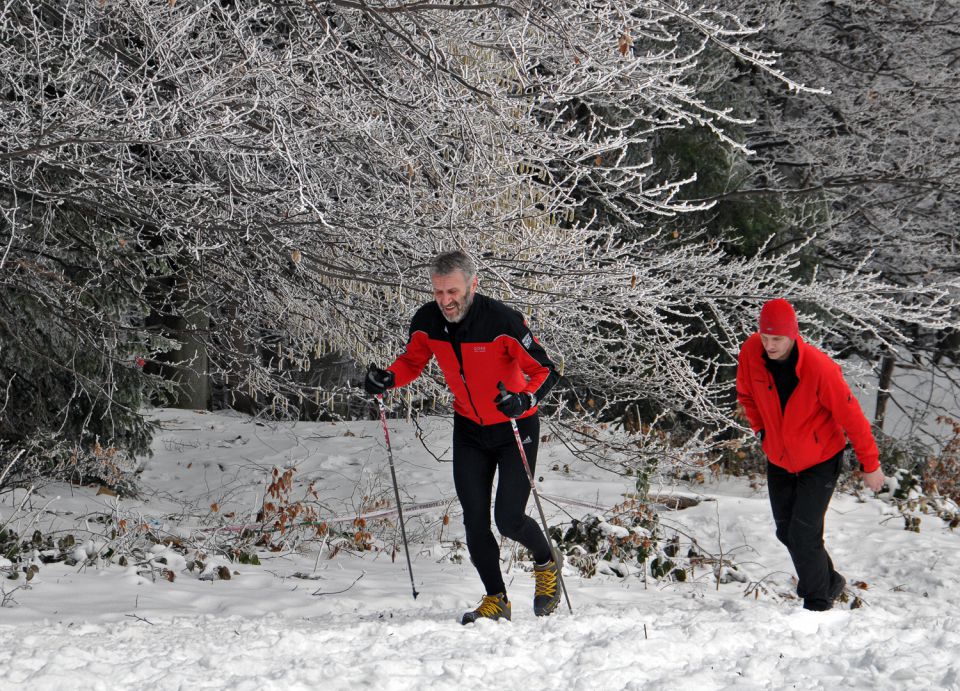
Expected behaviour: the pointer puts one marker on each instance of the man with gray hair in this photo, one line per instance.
(480, 342)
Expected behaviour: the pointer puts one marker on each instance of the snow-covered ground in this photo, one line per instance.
(304, 620)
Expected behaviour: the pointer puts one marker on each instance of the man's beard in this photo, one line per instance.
(462, 312)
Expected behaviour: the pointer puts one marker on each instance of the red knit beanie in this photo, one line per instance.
(777, 318)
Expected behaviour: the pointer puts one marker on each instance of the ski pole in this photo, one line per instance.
(536, 498)
(396, 491)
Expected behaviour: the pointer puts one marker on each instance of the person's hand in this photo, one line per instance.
(874, 480)
(377, 380)
(513, 404)
(761, 433)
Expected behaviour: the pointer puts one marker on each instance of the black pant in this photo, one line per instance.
(478, 452)
(799, 502)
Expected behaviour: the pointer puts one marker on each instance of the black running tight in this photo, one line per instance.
(479, 452)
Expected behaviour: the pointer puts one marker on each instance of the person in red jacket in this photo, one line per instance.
(800, 407)
(479, 342)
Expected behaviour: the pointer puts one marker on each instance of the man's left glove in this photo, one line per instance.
(377, 380)
(514, 404)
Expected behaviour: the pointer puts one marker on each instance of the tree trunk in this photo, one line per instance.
(186, 321)
(191, 362)
(883, 390)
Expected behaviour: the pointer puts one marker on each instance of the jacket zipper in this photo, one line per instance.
(457, 342)
(772, 386)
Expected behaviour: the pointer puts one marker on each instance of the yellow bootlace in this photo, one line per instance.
(489, 606)
(546, 582)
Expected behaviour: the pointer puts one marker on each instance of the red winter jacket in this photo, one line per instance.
(811, 427)
(491, 344)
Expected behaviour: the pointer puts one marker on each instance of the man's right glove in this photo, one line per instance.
(511, 404)
(377, 380)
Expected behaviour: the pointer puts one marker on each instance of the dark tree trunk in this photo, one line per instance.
(186, 321)
(883, 390)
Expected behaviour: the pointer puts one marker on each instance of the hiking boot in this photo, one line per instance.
(821, 605)
(490, 607)
(837, 589)
(546, 594)
(817, 604)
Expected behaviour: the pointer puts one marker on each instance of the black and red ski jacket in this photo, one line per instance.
(490, 344)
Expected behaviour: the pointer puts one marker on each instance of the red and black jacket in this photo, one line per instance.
(490, 344)
(819, 411)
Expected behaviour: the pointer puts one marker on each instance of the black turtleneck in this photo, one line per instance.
(784, 375)
(452, 327)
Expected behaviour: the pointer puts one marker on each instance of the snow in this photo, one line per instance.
(304, 620)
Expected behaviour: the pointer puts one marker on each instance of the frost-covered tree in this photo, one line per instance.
(874, 160)
(860, 169)
(237, 190)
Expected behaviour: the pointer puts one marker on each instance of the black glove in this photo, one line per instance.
(377, 380)
(513, 404)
